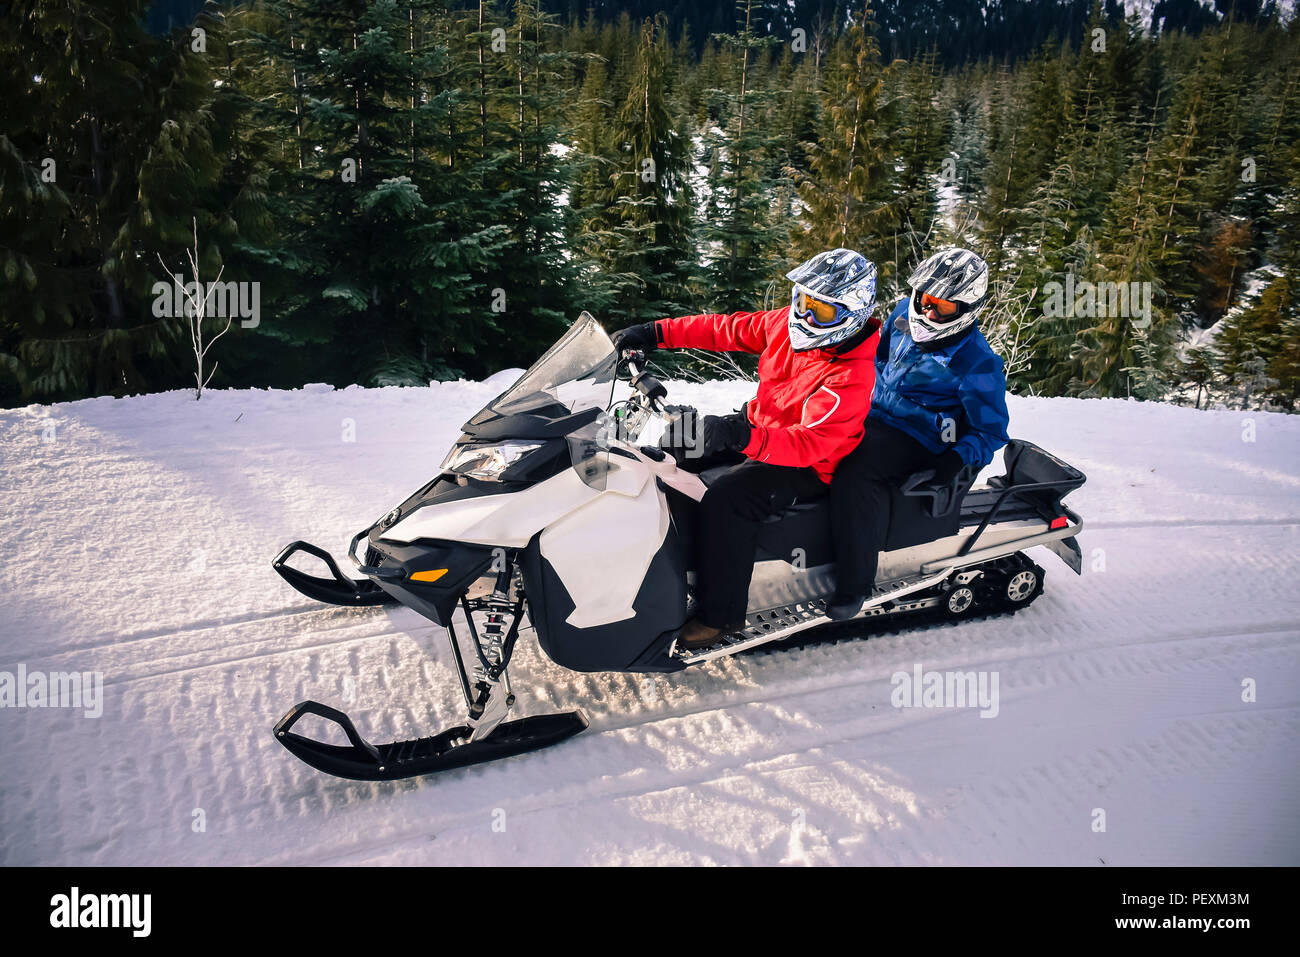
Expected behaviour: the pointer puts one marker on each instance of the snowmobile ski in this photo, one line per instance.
(362, 761)
(341, 590)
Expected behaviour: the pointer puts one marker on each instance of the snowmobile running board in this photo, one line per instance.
(362, 761)
(780, 623)
(784, 621)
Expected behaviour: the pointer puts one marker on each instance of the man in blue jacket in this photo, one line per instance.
(939, 403)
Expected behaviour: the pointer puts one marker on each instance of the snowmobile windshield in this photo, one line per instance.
(575, 374)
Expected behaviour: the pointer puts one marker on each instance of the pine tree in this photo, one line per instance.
(1201, 369)
(847, 196)
(592, 160)
(1158, 225)
(741, 238)
(653, 250)
(1068, 205)
(592, 165)
(534, 272)
(963, 165)
(1130, 238)
(1028, 123)
(394, 229)
(113, 139)
(923, 131)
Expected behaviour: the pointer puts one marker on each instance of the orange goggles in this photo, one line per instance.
(942, 308)
(817, 311)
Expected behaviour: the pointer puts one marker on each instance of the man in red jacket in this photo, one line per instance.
(816, 370)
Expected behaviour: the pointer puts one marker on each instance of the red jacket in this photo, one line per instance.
(811, 406)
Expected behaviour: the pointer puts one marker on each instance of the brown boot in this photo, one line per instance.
(696, 636)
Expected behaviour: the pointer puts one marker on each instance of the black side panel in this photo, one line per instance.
(685, 512)
(660, 609)
(435, 600)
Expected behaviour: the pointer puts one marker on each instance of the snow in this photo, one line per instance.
(139, 534)
(1253, 285)
(504, 379)
(1146, 8)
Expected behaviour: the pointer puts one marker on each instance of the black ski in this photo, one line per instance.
(362, 761)
(339, 590)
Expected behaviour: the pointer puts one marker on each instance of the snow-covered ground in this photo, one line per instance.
(138, 535)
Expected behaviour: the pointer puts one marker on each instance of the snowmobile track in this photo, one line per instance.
(791, 754)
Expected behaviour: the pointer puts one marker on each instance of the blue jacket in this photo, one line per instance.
(963, 383)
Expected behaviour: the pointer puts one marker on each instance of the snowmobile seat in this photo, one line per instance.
(1031, 489)
(805, 525)
(921, 510)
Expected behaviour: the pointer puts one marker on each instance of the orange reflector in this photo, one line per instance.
(1059, 522)
(429, 576)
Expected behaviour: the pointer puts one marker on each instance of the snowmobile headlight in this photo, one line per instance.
(486, 461)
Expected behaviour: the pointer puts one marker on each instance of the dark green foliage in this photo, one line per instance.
(743, 241)
(848, 197)
(106, 156)
(428, 188)
(637, 219)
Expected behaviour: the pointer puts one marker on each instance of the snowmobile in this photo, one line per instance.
(548, 505)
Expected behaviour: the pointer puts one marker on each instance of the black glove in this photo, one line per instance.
(642, 337)
(683, 431)
(947, 467)
(719, 433)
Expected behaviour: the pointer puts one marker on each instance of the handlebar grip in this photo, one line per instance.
(649, 386)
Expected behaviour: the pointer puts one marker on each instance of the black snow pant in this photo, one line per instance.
(727, 536)
(860, 501)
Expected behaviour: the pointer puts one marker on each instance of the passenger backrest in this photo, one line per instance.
(1028, 465)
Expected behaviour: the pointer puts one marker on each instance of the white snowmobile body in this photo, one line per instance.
(548, 503)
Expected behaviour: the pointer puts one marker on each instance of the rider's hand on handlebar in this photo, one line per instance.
(682, 430)
(721, 433)
(642, 338)
(704, 435)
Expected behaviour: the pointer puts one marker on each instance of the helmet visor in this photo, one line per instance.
(816, 312)
(940, 310)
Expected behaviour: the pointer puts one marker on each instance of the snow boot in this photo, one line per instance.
(840, 607)
(696, 636)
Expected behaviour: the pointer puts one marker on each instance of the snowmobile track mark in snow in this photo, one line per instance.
(192, 627)
(808, 752)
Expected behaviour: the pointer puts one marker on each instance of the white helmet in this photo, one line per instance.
(952, 275)
(833, 299)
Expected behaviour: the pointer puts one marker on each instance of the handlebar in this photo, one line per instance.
(650, 389)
